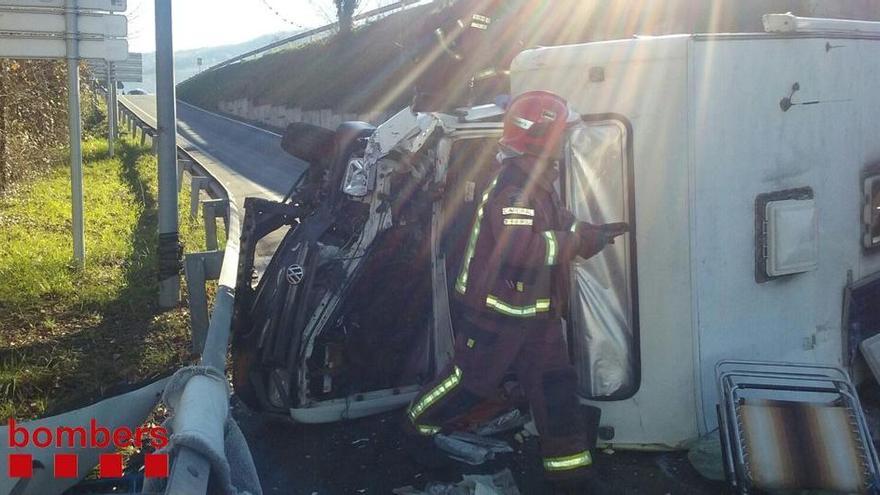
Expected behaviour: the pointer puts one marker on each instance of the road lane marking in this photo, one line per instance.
(228, 168)
(229, 119)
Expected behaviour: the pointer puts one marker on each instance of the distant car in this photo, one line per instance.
(137, 92)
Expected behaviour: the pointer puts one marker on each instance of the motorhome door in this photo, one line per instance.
(603, 320)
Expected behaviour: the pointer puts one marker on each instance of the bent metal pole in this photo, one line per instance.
(169, 242)
(75, 127)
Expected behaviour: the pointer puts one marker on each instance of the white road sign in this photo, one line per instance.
(114, 26)
(129, 70)
(108, 5)
(46, 47)
(128, 75)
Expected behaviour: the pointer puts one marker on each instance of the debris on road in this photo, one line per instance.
(469, 448)
(501, 483)
(705, 456)
(505, 422)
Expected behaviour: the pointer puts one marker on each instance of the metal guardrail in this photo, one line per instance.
(312, 35)
(190, 470)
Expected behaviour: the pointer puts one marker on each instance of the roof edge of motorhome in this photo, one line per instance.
(719, 37)
(805, 35)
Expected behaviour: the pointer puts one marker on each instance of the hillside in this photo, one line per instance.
(186, 61)
(368, 72)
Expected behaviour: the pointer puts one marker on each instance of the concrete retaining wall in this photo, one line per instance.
(279, 117)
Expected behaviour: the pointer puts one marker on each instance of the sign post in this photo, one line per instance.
(113, 112)
(69, 29)
(111, 109)
(74, 124)
(169, 242)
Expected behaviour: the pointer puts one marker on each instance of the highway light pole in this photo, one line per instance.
(75, 126)
(169, 241)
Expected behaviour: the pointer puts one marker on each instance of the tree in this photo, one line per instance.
(345, 12)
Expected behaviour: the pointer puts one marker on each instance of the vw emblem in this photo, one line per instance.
(294, 274)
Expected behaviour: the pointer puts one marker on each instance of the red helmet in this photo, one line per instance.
(535, 124)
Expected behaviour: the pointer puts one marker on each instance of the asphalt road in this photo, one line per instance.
(248, 160)
(368, 455)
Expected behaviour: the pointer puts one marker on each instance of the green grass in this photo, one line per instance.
(70, 336)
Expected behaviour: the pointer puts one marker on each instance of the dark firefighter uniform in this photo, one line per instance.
(513, 287)
(461, 62)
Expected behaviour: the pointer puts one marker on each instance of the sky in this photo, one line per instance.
(204, 23)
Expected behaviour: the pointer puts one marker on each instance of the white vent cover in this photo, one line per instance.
(789, 23)
(792, 236)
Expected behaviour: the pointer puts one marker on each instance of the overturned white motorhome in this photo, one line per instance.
(746, 165)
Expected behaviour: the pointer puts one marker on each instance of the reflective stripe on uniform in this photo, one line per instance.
(526, 212)
(522, 123)
(550, 236)
(581, 459)
(461, 283)
(428, 430)
(518, 221)
(540, 306)
(427, 400)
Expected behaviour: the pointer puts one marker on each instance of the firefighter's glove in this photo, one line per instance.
(612, 230)
(591, 239)
(594, 238)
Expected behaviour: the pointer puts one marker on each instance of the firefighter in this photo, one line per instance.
(512, 293)
(460, 62)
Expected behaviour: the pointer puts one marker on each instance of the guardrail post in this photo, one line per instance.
(211, 209)
(199, 268)
(144, 139)
(198, 182)
(183, 165)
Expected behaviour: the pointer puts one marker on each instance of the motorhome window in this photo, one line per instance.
(603, 322)
(872, 212)
(861, 315)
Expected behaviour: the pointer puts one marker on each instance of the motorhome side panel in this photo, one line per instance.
(644, 81)
(748, 141)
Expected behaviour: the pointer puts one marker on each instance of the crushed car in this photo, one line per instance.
(352, 313)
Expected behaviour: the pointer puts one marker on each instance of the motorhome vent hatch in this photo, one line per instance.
(787, 233)
(792, 237)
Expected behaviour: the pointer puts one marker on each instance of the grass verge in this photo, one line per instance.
(71, 336)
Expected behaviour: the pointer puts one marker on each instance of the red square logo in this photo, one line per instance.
(20, 465)
(65, 465)
(110, 466)
(156, 465)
